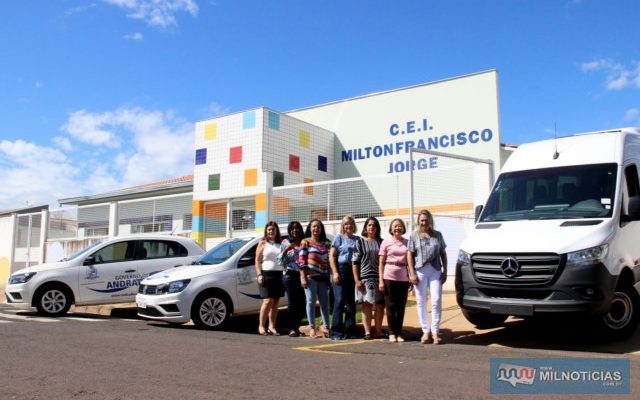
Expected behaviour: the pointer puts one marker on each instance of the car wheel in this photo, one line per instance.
(53, 301)
(484, 320)
(624, 313)
(211, 310)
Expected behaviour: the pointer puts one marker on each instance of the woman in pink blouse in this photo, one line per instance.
(394, 278)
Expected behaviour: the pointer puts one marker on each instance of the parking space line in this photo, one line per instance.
(323, 348)
(23, 318)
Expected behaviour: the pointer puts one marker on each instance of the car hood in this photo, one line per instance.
(553, 236)
(183, 272)
(43, 267)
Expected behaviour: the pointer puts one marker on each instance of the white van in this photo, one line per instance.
(560, 233)
(107, 271)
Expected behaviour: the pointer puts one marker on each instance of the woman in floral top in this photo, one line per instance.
(289, 259)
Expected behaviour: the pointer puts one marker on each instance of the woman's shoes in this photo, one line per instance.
(273, 332)
(313, 333)
(392, 338)
(426, 338)
(262, 332)
(400, 339)
(294, 333)
(437, 339)
(325, 331)
(367, 336)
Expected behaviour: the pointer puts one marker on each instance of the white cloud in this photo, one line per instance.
(156, 13)
(214, 110)
(87, 128)
(135, 36)
(62, 143)
(155, 145)
(618, 76)
(632, 115)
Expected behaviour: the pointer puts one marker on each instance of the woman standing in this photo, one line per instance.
(394, 278)
(288, 258)
(365, 274)
(314, 274)
(269, 273)
(343, 322)
(426, 252)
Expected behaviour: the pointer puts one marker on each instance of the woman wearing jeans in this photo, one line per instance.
(314, 274)
(426, 253)
(343, 323)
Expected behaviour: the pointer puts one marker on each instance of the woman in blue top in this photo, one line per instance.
(344, 307)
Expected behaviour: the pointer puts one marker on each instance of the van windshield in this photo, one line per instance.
(222, 252)
(583, 191)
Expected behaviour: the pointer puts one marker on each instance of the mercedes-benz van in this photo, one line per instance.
(560, 233)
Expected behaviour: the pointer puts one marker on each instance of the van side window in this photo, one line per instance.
(631, 187)
(159, 249)
(248, 258)
(116, 252)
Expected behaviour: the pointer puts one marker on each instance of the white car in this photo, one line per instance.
(105, 272)
(220, 284)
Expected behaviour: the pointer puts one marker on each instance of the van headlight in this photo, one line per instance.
(464, 259)
(592, 255)
(172, 287)
(21, 278)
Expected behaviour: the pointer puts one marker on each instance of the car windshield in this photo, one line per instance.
(584, 191)
(222, 252)
(79, 253)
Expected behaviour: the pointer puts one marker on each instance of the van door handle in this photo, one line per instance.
(130, 270)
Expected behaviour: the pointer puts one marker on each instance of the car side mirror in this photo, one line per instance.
(633, 209)
(89, 260)
(478, 211)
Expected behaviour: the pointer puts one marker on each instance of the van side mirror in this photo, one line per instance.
(89, 260)
(477, 213)
(634, 208)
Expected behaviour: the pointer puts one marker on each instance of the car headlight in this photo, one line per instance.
(592, 255)
(173, 287)
(464, 259)
(21, 278)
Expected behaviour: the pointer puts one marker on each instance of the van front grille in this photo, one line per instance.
(148, 289)
(533, 269)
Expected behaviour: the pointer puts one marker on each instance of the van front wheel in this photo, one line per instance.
(624, 313)
(484, 320)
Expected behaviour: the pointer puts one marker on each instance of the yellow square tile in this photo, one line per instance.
(210, 131)
(305, 139)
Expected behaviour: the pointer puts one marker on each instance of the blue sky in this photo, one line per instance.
(103, 94)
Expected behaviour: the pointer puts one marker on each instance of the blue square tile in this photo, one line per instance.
(249, 120)
(322, 163)
(274, 120)
(201, 156)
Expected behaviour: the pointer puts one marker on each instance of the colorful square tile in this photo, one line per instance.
(250, 177)
(274, 120)
(322, 163)
(294, 163)
(249, 120)
(210, 131)
(235, 155)
(304, 139)
(201, 156)
(308, 189)
(214, 182)
(278, 178)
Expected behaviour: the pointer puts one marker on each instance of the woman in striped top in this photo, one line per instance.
(314, 274)
(365, 273)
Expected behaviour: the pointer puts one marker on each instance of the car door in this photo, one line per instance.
(108, 274)
(248, 293)
(153, 255)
